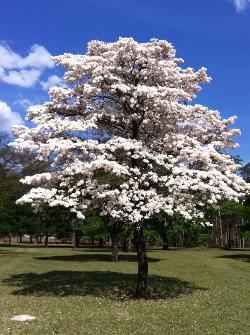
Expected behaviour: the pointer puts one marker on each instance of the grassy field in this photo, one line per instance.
(83, 292)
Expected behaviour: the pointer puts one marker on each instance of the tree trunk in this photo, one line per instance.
(115, 236)
(222, 239)
(31, 239)
(165, 245)
(229, 244)
(101, 243)
(46, 240)
(10, 238)
(164, 234)
(125, 245)
(142, 275)
(75, 235)
(165, 241)
(75, 240)
(115, 249)
(20, 238)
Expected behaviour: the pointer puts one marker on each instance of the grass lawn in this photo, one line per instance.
(207, 291)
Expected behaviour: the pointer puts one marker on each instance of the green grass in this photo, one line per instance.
(206, 291)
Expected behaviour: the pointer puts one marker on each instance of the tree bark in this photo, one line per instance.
(115, 236)
(101, 243)
(142, 260)
(125, 245)
(10, 238)
(37, 239)
(230, 242)
(75, 240)
(164, 241)
(75, 235)
(115, 248)
(222, 239)
(46, 240)
(165, 245)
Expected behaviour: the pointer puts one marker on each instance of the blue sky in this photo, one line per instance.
(213, 33)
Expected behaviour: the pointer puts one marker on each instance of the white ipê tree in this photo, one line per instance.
(154, 151)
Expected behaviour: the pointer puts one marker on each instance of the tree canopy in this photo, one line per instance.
(155, 150)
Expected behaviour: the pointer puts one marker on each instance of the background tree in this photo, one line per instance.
(94, 228)
(245, 172)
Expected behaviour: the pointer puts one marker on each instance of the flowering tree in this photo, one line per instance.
(155, 151)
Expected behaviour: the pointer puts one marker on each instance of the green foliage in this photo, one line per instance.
(245, 172)
(93, 227)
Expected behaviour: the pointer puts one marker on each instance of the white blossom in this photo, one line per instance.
(161, 154)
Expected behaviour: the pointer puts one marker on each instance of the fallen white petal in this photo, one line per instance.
(23, 317)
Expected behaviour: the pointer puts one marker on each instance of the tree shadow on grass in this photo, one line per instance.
(93, 257)
(240, 257)
(108, 284)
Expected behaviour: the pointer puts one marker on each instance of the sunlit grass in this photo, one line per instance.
(206, 291)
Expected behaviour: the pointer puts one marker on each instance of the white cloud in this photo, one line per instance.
(52, 81)
(8, 58)
(23, 78)
(241, 5)
(23, 71)
(8, 118)
(24, 102)
(39, 57)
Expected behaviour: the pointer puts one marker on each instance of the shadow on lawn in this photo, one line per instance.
(93, 257)
(108, 284)
(240, 257)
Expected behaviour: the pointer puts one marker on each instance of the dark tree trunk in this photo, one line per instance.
(115, 248)
(75, 240)
(75, 235)
(165, 241)
(46, 240)
(78, 239)
(10, 238)
(229, 243)
(165, 245)
(31, 238)
(101, 243)
(115, 231)
(125, 245)
(164, 236)
(20, 238)
(142, 260)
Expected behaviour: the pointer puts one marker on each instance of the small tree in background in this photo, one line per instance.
(156, 152)
(245, 172)
(94, 228)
